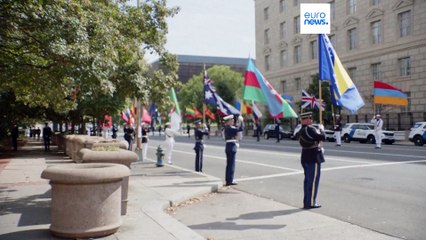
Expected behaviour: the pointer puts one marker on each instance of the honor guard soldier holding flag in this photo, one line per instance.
(311, 159)
(231, 133)
(199, 132)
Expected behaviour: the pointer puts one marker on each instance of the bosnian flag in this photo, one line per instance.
(258, 89)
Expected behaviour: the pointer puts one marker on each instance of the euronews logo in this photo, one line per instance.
(315, 18)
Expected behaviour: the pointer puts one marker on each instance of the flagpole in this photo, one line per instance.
(320, 102)
(204, 104)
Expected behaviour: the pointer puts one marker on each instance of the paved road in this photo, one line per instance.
(383, 190)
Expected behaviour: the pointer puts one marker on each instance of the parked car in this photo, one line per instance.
(364, 133)
(418, 134)
(329, 134)
(269, 132)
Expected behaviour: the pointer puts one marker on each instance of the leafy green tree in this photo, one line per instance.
(76, 55)
(228, 84)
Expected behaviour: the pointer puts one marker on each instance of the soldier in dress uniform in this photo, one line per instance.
(199, 132)
(378, 125)
(311, 159)
(338, 130)
(231, 133)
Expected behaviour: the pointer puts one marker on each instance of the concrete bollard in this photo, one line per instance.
(85, 199)
(119, 156)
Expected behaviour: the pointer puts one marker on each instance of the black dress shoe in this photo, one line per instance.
(230, 184)
(314, 206)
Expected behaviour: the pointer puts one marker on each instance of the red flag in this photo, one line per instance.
(146, 117)
(209, 114)
(197, 113)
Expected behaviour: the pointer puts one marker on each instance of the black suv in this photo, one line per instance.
(269, 132)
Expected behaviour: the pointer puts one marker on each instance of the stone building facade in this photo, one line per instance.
(381, 40)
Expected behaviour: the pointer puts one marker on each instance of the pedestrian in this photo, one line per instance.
(47, 134)
(277, 132)
(230, 133)
(38, 132)
(145, 139)
(114, 131)
(170, 141)
(311, 158)
(208, 128)
(338, 130)
(188, 129)
(258, 130)
(159, 130)
(199, 132)
(378, 125)
(15, 134)
(129, 135)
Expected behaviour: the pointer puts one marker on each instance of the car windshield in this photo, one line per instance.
(417, 125)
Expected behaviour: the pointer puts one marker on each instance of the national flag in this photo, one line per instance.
(197, 113)
(258, 89)
(212, 98)
(127, 116)
(209, 113)
(343, 90)
(189, 113)
(243, 107)
(107, 121)
(174, 113)
(389, 95)
(146, 117)
(256, 112)
(311, 101)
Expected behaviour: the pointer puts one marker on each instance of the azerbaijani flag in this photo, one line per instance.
(389, 95)
(342, 90)
(257, 88)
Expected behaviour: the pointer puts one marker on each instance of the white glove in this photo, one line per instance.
(321, 127)
(238, 145)
(240, 118)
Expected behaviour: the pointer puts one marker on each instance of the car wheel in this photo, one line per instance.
(418, 141)
(346, 139)
(371, 139)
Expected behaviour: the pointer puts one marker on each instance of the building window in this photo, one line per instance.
(282, 30)
(313, 46)
(266, 13)
(333, 41)
(283, 58)
(283, 86)
(352, 73)
(376, 73)
(352, 39)
(297, 24)
(297, 81)
(404, 66)
(282, 6)
(376, 32)
(375, 2)
(266, 36)
(297, 54)
(404, 20)
(267, 67)
(351, 6)
(333, 10)
(406, 109)
(295, 2)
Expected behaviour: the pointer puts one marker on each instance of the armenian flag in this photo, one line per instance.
(389, 95)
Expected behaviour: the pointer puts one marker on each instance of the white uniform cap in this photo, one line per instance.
(226, 118)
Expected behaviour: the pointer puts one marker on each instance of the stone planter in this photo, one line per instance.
(120, 156)
(86, 199)
(114, 143)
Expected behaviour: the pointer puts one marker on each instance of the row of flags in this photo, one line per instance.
(257, 89)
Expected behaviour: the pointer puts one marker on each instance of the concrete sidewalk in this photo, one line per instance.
(229, 214)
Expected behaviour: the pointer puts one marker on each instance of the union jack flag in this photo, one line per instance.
(309, 100)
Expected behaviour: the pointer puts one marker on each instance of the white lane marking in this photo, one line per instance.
(329, 169)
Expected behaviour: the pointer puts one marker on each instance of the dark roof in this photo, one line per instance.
(211, 60)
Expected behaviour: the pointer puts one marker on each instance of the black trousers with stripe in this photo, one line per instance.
(312, 170)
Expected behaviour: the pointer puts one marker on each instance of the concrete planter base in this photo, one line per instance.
(86, 199)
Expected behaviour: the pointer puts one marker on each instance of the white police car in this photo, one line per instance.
(364, 133)
(418, 134)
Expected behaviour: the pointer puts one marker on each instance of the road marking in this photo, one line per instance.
(329, 169)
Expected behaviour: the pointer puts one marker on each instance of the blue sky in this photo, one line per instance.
(224, 28)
